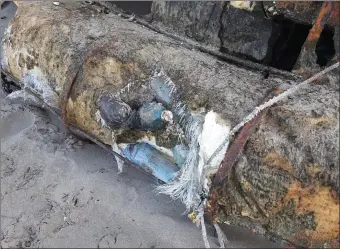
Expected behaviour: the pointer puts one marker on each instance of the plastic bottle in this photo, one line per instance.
(151, 160)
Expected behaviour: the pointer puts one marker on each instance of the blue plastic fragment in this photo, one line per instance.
(150, 116)
(151, 160)
(161, 89)
(180, 152)
(166, 93)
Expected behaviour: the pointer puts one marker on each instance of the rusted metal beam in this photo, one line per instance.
(229, 161)
(307, 57)
(232, 155)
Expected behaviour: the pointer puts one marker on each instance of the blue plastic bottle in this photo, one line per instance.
(151, 160)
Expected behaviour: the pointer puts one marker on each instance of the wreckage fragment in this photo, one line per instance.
(285, 182)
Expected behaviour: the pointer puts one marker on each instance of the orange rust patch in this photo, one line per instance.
(319, 200)
(275, 160)
(317, 28)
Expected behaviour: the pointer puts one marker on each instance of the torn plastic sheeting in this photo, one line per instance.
(162, 88)
(180, 152)
(36, 80)
(192, 180)
(20, 97)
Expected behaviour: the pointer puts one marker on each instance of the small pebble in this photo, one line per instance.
(132, 18)
(56, 3)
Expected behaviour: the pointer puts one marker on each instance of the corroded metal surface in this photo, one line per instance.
(231, 157)
(307, 57)
(303, 11)
(321, 20)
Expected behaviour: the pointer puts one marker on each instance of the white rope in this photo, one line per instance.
(204, 233)
(222, 239)
(203, 228)
(282, 96)
(271, 102)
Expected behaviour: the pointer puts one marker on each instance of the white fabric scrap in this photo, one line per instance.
(192, 181)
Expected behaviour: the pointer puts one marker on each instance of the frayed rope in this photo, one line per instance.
(271, 102)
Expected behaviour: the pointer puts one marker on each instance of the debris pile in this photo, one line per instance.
(170, 109)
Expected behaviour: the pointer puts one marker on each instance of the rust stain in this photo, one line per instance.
(289, 246)
(229, 160)
(309, 45)
(320, 22)
(319, 200)
(275, 160)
